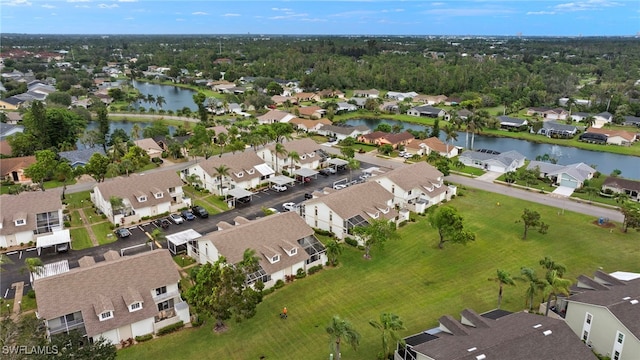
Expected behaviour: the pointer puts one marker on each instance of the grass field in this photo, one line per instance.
(80, 239)
(411, 278)
(103, 233)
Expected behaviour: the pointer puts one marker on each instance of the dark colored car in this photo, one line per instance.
(308, 196)
(199, 211)
(324, 172)
(187, 215)
(162, 223)
(123, 232)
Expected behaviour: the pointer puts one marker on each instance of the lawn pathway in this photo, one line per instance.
(92, 236)
(197, 195)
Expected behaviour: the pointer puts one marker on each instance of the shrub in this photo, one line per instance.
(144, 218)
(197, 321)
(351, 241)
(323, 232)
(143, 338)
(289, 278)
(300, 274)
(103, 216)
(268, 291)
(112, 227)
(314, 269)
(403, 223)
(279, 284)
(171, 328)
(67, 224)
(31, 294)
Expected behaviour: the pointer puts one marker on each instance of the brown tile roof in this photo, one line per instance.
(274, 115)
(620, 183)
(509, 337)
(237, 163)
(374, 135)
(432, 143)
(83, 287)
(304, 147)
(308, 110)
(28, 203)
(355, 200)
(611, 132)
(266, 237)
(5, 148)
(308, 123)
(13, 164)
(399, 137)
(418, 175)
(147, 144)
(141, 184)
(612, 297)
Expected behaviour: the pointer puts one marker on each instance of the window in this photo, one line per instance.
(616, 355)
(293, 251)
(316, 223)
(20, 222)
(165, 305)
(158, 195)
(106, 315)
(135, 306)
(316, 210)
(275, 259)
(330, 216)
(620, 338)
(172, 189)
(393, 189)
(585, 335)
(46, 221)
(409, 193)
(142, 198)
(161, 290)
(588, 318)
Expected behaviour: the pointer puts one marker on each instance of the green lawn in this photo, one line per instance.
(207, 206)
(80, 239)
(411, 278)
(215, 200)
(76, 220)
(103, 233)
(470, 170)
(183, 260)
(78, 200)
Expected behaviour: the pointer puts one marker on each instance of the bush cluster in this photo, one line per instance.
(171, 328)
(143, 338)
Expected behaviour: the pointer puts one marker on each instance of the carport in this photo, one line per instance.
(57, 238)
(282, 180)
(238, 193)
(335, 162)
(305, 173)
(180, 239)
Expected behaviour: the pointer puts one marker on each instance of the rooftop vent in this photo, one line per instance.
(547, 332)
(626, 298)
(537, 326)
(633, 302)
(472, 349)
(481, 357)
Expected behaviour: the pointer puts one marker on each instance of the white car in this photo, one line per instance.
(279, 188)
(176, 218)
(339, 186)
(289, 206)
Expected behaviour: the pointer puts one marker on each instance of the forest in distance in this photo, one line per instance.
(512, 71)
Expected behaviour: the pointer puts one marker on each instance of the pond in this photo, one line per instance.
(176, 97)
(605, 162)
(127, 126)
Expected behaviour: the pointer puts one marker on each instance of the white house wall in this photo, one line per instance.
(604, 327)
(321, 221)
(110, 335)
(23, 237)
(143, 327)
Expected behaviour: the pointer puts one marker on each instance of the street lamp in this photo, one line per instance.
(183, 261)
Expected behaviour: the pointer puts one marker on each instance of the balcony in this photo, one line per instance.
(166, 296)
(165, 318)
(68, 326)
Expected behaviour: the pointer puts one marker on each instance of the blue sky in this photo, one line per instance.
(360, 17)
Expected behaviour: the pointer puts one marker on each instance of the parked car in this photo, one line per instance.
(289, 206)
(244, 200)
(176, 218)
(324, 172)
(339, 186)
(62, 248)
(279, 188)
(187, 215)
(162, 223)
(303, 179)
(308, 196)
(200, 211)
(123, 232)
(331, 170)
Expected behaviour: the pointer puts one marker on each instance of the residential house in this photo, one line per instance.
(564, 101)
(274, 116)
(328, 93)
(424, 147)
(311, 112)
(557, 130)
(382, 138)
(246, 171)
(548, 113)
(310, 125)
(507, 122)
(116, 299)
(631, 121)
(572, 176)
(80, 157)
(150, 146)
(29, 215)
(7, 130)
(464, 114)
(426, 111)
(495, 335)
(492, 160)
(390, 107)
(359, 102)
(281, 100)
(12, 169)
(579, 116)
(430, 99)
(13, 117)
(345, 107)
(306, 148)
(5, 148)
(602, 118)
(416, 186)
(619, 185)
(11, 103)
(281, 253)
(603, 312)
(371, 93)
(342, 132)
(614, 137)
(339, 211)
(306, 96)
(452, 101)
(126, 200)
(400, 96)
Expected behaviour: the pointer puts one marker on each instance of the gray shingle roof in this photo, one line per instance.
(28, 204)
(237, 163)
(418, 175)
(136, 184)
(80, 157)
(355, 200)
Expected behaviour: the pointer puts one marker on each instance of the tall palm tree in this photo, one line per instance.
(556, 285)
(150, 99)
(221, 171)
(480, 120)
(451, 134)
(250, 261)
(136, 130)
(294, 157)
(33, 265)
(389, 325)
(534, 285)
(278, 151)
(549, 265)
(589, 121)
(222, 140)
(341, 330)
(353, 164)
(333, 250)
(502, 278)
(160, 101)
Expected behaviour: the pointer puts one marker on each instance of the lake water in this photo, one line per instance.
(127, 126)
(176, 97)
(605, 162)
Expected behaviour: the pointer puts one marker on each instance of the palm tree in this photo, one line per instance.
(294, 157)
(279, 150)
(250, 261)
(452, 135)
(353, 164)
(160, 101)
(33, 265)
(589, 121)
(4, 259)
(341, 330)
(333, 250)
(221, 171)
(548, 264)
(375, 233)
(556, 285)
(221, 140)
(534, 285)
(157, 235)
(389, 325)
(502, 278)
(150, 99)
(135, 131)
(480, 120)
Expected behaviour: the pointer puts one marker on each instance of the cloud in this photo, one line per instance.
(127, 0)
(179, 19)
(392, 11)
(17, 3)
(129, 18)
(77, 1)
(589, 5)
(106, 6)
(47, 6)
(541, 13)
(199, 13)
(82, 6)
(281, 9)
(482, 11)
(313, 20)
(230, 15)
(437, 4)
(354, 13)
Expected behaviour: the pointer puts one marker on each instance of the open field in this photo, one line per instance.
(411, 278)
